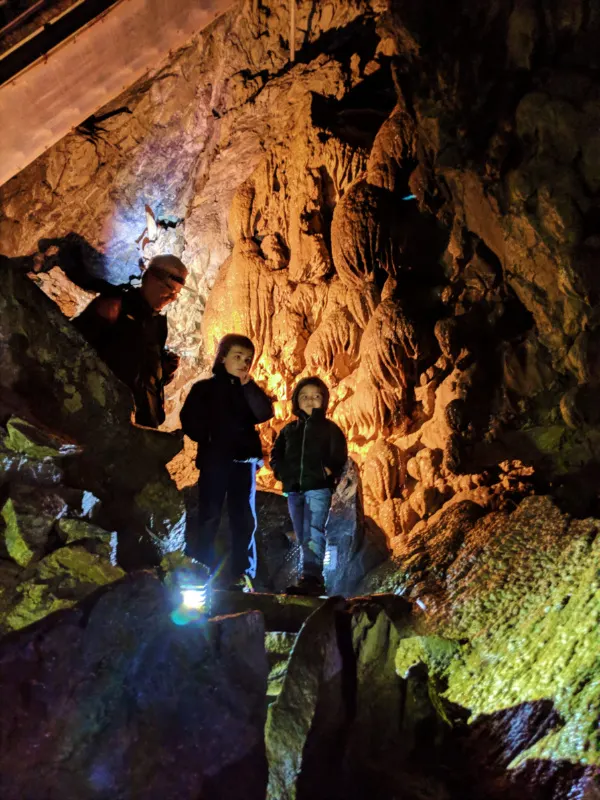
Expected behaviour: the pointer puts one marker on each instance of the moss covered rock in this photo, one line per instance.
(98, 541)
(513, 603)
(25, 535)
(58, 581)
(35, 442)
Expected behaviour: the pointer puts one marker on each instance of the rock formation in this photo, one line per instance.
(409, 210)
(115, 700)
(368, 213)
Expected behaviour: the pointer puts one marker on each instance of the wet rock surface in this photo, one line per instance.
(345, 724)
(410, 210)
(113, 700)
(51, 553)
(516, 596)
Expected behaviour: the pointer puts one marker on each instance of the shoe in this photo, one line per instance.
(243, 584)
(308, 585)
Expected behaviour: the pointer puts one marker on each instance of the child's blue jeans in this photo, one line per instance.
(309, 511)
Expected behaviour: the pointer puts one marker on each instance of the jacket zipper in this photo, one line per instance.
(302, 455)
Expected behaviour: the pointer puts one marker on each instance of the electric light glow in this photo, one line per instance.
(194, 597)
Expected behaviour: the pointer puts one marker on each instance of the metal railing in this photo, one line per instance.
(43, 39)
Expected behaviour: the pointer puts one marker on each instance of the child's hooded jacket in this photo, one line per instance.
(308, 445)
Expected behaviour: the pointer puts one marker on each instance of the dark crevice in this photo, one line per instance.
(357, 118)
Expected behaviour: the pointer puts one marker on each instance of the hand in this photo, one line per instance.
(246, 379)
(170, 361)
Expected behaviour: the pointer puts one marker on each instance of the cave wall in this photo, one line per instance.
(410, 210)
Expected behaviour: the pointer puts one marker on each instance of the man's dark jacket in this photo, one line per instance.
(221, 414)
(134, 349)
(304, 448)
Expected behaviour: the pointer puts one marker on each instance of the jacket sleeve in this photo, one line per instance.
(277, 457)
(338, 451)
(260, 404)
(195, 414)
(96, 321)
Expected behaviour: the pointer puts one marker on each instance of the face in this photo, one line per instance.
(238, 361)
(160, 287)
(310, 397)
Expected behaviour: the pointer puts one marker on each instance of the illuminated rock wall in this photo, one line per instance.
(409, 210)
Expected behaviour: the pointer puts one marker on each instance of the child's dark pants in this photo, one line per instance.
(236, 481)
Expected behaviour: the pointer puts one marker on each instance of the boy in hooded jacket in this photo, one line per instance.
(221, 414)
(308, 457)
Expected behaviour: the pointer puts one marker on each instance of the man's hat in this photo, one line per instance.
(170, 264)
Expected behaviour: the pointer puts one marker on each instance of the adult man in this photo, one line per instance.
(129, 333)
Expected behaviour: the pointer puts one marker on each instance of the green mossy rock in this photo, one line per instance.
(30, 440)
(25, 535)
(58, 581)
(520, 592)
(91, 537)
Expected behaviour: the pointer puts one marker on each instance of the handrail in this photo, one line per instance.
(41, 41)
(20, 18)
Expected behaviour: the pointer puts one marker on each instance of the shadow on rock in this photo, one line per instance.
(113, 700)
(479, 760)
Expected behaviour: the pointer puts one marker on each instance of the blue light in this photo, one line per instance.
(410, 197)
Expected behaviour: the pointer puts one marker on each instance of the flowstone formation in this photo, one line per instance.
(420, 235)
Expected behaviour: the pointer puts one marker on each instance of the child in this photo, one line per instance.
(308, 457)
(220, 413)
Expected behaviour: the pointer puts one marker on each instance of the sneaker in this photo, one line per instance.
(243, 584)
(308, 585)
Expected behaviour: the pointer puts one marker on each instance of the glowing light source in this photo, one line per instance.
(330, 560)
(194, 597)
(194, 602)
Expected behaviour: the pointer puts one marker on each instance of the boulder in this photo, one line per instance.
(292, 719)
(57, 581)
(91, 537)
(113, 700)
(345, 725)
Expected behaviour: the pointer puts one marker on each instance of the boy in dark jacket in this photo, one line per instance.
(220, 413)
(308, 457)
